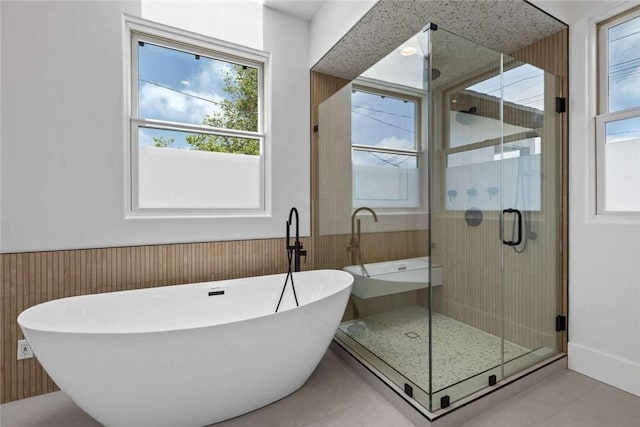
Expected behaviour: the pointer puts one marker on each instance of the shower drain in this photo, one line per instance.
(412, 335)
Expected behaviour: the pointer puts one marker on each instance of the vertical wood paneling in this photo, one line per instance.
(32, 278)
(330, 250)
(551, 54)
(534, 281)
(323, 87)
(334, 172)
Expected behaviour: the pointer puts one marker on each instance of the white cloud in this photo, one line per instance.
(625, 93)
(209, 79)
(196, 99)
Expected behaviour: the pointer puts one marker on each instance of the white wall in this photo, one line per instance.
(236, 21)
(333, 20)
(287, 39)
(604, 251)
(1, 49)
(63, 135)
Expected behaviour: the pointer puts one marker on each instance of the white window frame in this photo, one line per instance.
(604, 116)
(377, 87)
(137, 29)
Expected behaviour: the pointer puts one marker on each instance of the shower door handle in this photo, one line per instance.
(519, 218)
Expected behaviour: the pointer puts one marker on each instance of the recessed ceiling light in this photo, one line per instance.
(407, 51)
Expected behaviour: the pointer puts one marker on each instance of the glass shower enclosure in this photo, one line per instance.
(440, 173)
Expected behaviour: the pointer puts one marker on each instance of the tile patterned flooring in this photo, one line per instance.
(335, 396)
(400, 338)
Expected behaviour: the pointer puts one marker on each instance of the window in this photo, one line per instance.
(197, 126)
(494, 128)
(385, 146)
(618, 119)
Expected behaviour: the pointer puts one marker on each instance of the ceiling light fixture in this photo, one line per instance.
(407, 51)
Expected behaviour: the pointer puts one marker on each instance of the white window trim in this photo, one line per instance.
(604, 117)
(210, 47)
(601, 139)
(369, 85)
(603, 55)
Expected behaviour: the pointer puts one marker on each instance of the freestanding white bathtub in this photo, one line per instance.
(175, 356)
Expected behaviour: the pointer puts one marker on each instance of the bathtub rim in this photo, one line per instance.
(20, 318)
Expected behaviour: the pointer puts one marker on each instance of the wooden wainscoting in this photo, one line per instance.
(35, 277)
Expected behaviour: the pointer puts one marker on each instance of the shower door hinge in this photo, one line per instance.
(493, 380)
(445, 401)
(561, 323)
(408, 390)
(561, 105)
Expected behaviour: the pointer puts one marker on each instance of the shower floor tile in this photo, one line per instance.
(401, 339)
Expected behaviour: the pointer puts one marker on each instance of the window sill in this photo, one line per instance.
(147, 214)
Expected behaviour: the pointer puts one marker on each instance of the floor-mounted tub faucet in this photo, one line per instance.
(294, 252)
(296, 249)
(354, 243)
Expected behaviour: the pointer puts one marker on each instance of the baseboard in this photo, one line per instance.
(608, 368)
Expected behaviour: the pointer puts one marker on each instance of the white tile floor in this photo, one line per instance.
(336, 396)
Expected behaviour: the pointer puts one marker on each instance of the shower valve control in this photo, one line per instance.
(24, 350)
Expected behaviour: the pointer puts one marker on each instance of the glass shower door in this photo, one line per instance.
(466, 159)
(495, 205)
(532, 161)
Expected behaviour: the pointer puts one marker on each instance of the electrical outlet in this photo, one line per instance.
(24, 350)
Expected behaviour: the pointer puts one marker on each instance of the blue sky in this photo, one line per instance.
(523, 85)
(382, 122)
(624, 65)
(185, 91)
(624, 78)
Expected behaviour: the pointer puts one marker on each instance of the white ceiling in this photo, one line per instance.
(304, 9)
(504, 26)
(570, 11)
(565, 10)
